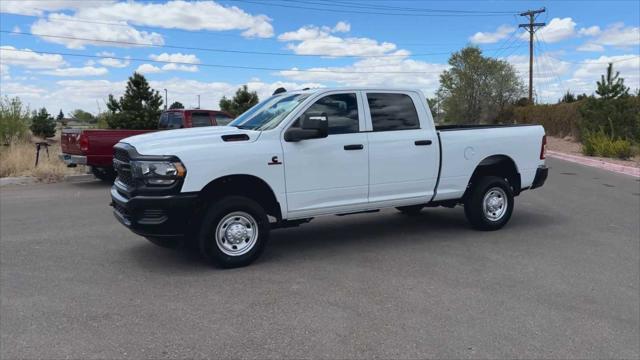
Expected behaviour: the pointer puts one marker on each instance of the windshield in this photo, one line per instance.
(269, 113)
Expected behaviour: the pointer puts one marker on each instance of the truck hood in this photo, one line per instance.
(171, 142)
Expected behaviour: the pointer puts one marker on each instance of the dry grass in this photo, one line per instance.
(18, 159)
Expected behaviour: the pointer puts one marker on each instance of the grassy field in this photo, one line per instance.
(18, 159)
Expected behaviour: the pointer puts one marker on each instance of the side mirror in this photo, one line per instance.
(312, 126)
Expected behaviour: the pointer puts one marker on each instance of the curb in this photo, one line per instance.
(28, 180)
(79, 178)
(18, 180)
(620, 169)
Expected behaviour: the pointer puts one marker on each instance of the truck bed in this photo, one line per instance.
(98, 146)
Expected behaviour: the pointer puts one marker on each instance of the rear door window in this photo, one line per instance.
(200, 119)
(392, 112)
(170, 120)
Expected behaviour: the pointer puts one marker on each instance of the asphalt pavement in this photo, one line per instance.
(561, 280)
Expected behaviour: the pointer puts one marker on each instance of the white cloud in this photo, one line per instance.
(619, 36)
(314, 40)
(342, 26)
(13, 89)
(176, 57)
(492, 37)
(115, 63)
(183, 59)
(69, 27)
(38, 8)
(590, 47)
(629, 68)
(388, 72)
(148, 69)
(77, 71)
(4, 71)
(85, 94)
(590, 31)
(30, 59)
(556, 30)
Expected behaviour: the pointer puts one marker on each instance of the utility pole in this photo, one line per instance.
(166, 99)
(531, 28)
(198, 101)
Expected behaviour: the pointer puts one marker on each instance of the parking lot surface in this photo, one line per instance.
(561, 280)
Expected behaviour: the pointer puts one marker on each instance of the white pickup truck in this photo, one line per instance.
(302, 154)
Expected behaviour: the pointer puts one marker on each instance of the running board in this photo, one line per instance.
(359, 212)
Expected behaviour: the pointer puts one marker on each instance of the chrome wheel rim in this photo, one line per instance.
(495, 204)
(236, 233)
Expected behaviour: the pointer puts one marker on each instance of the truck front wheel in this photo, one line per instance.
(490, 203)
(234, 232)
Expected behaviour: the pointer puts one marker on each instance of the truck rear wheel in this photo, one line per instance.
(104, 174)
(490, 204)
(234, 232)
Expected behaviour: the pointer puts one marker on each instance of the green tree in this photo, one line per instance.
(242, 101)
(176, 105)
(43, 124)
(14, 120)
(611, 87)
(138, 108)
(568, 98)
(477, 88)
(60, 116)
(83, 116)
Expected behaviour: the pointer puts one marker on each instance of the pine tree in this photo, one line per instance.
(138, 108)
(176, 105)
(242, 101)
(611, 87)
(60, 116)
(43, 124)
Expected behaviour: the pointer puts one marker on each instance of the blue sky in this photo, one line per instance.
(71, 54)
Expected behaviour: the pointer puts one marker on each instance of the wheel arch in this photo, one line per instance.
(246, 185)
(497, 165)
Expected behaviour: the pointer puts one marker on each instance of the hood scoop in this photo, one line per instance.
(235, 137)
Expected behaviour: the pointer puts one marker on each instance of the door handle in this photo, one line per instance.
(354, 147)
(422, 142)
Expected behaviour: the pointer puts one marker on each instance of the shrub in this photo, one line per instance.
(558, 120)
(619, 118)
(14, 121)
(599, 144)
(43, 124)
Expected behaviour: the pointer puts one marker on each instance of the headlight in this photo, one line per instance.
(158, 172)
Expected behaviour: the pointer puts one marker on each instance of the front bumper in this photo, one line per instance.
(73, 160)
(154, 216)
(541, 176)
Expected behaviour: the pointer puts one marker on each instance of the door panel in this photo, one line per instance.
(329, 172)
(403, 157)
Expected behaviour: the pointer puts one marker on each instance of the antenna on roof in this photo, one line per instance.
(279, 90)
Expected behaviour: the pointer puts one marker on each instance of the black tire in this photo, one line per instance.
(104, 174)
(410, 210)
(220, 213)
(474, 204)
(170, 242)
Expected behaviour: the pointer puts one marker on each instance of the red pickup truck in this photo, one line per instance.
(94, 147)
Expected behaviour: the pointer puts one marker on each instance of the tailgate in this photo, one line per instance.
(69, 139)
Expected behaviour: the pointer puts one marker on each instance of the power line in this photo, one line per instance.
(397, 8)
(119, 42)
(332, 71)
(290, 6)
